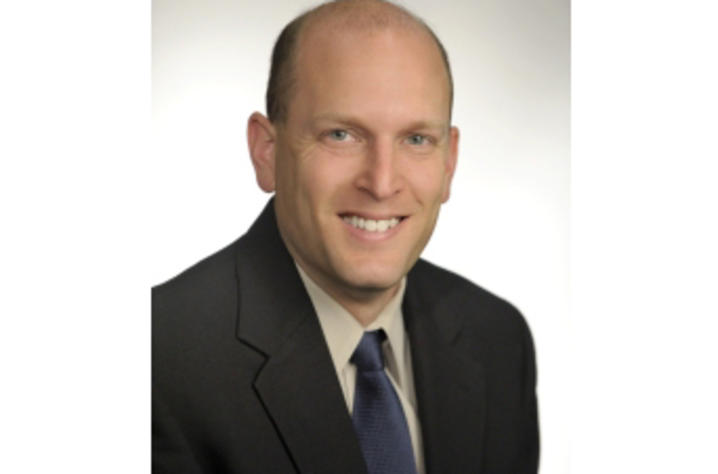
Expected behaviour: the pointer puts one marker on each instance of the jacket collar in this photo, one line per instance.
(450, 384)
(272, 300)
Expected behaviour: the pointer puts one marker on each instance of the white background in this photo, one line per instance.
(95, 210)
(506, 224)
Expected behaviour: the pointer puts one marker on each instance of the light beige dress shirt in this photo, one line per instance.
(343, 332)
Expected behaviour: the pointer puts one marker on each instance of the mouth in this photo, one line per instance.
(373, 225)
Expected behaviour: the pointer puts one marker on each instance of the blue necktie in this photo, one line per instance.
(377, 415)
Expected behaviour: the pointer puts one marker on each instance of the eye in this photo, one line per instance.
(339, 135)
(417, 139)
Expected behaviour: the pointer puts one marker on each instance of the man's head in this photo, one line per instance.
(356, 13)
(359, 146)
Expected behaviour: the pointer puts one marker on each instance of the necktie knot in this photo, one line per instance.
(368, 356)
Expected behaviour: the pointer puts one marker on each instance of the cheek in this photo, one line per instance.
(427, 180)
(285, 168)
(324, 175)
(297, 177)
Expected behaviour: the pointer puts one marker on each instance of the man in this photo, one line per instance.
(319, 342)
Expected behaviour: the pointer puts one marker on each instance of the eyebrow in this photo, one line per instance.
(429, 125)
(343, 119)
(355, 122)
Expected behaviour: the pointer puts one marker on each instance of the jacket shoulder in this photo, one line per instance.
(198, 298)
(451, 294)
(203, 274)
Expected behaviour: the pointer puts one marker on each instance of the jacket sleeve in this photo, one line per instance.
(530, 436)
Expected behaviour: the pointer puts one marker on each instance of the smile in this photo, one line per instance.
(372, 225)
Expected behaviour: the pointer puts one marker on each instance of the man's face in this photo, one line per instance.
(365, 158)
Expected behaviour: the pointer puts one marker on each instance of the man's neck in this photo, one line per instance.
(366, 310)
(364, 305)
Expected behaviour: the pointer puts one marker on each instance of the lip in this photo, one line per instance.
(369, 215)
(367, 236)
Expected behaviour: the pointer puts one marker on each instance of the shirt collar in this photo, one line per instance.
(343, 332)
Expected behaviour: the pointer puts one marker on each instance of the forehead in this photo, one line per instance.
(400, 64)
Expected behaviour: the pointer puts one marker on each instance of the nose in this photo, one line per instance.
(381, 177)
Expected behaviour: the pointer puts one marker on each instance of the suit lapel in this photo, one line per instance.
(297, 385)
(450, 386)
(299, 388)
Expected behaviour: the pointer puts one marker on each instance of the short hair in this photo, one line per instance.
(282, 75)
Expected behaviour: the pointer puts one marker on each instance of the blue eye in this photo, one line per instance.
(417, 140)
(338, 135)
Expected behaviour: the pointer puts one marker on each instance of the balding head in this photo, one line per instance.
(330, 19)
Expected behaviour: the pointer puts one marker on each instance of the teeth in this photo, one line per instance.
(371, 225)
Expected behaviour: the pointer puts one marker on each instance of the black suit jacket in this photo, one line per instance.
(242, 379)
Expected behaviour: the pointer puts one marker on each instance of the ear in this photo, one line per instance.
(261, 138)
(450, 162)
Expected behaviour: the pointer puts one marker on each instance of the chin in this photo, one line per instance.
(373, 278)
